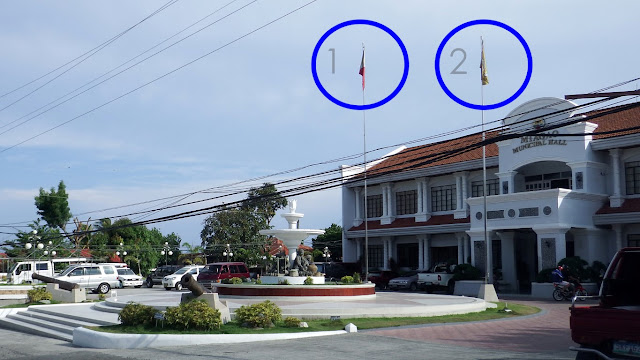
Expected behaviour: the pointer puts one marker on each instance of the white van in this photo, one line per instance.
(96, 277)
(21, 271)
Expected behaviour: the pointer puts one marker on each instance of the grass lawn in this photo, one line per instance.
(27, 304)
(324, 325)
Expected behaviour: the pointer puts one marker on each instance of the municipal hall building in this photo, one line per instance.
(561, 181)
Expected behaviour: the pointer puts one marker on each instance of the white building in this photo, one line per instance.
(549, 197)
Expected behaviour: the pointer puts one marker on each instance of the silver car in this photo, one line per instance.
(407, 281)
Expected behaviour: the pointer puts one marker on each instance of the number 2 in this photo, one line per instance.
(464, 57)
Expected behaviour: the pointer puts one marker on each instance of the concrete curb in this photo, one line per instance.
(87, 338)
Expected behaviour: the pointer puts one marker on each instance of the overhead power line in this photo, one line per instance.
(118, 67)
(160, 77)
(84, 57)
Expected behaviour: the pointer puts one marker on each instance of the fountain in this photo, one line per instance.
(291, 238)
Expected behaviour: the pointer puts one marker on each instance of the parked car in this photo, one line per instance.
(127, 277)
(95, 277)
(156, 275)
(407, 281)
(382, 278)
(336, 270)
(173, 281)
(438, 277)
(216, 272)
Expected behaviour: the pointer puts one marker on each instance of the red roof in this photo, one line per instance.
(620, 120)
(628, 206)
(275, 245)
(411, 222)
(425, 156)
(3, 255)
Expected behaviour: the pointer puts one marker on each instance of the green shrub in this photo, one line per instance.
(102, 297)
(258, 281)
(467, 272)
(236, 280)
(263, 314)
(544, 276)
(196, 315)
(291, 321)
(38, 294)
(356, 278)
(136, 314)
(347, 279)
(283, 282)
(308, 281)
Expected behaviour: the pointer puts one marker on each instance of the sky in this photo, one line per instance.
(240, 106)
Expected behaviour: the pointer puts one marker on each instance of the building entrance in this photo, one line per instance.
(526, 256)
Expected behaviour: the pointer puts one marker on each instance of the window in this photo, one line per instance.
(42, 266)
(443, 198)
(406, 202)
(93, 271)
(632, 177)
(548, 181)
(77, 272)
(633, 240)
(374, 206)
(109, 270)
(234, 269)
(476, 188)
(376, 256)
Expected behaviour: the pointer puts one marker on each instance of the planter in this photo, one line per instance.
(468, 287)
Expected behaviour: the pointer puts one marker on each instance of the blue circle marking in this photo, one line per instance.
(395, 92)
(489, 106)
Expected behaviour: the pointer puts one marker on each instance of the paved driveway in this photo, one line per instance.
(545, 333)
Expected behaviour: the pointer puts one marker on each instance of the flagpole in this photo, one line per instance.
(364, 155)
(488, 265)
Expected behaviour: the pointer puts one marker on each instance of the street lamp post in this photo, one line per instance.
(35, 238)
(227, 252)
(326, 254)
(166, 251)
(121, 251)
(48, 252)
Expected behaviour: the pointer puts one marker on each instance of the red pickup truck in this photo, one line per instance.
(611, 329)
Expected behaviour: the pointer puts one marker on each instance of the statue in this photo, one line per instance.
(302, 264)
(292, 206)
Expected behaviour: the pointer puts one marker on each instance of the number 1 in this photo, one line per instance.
(333, 60)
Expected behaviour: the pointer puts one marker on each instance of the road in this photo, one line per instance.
(544, 336)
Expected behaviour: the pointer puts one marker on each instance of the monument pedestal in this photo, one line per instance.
(488, 293)
(213, 301)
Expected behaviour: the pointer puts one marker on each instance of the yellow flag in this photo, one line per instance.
(483, 67)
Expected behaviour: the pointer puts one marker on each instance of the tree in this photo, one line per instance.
(332, 238)
(264, 202)
(44, 234)
(53, 207)
(241, 224)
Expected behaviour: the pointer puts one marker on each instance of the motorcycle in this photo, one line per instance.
(561, 293)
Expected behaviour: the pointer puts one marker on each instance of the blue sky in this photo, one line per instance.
(252, 108)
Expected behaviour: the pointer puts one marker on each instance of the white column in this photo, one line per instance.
(458, 192)
(419, 195)
(466, 250)
(385, 248)
(616, 199)
(358, 219)
(384, 200)
(618, 230)
(464, 188)
(508, 259)
(423, 200)
(461, 195)
(460, 248)
(426, 247)
(420, 253)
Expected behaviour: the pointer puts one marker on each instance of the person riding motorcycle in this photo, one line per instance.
(558, 278)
